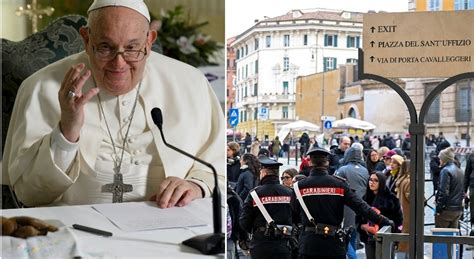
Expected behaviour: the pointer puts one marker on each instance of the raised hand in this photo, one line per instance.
(72, 101)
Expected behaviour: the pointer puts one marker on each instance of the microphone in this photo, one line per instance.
(212, 243)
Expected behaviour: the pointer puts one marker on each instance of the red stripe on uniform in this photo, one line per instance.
(337, 191)
(273, 200)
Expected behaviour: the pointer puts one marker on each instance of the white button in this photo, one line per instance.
(138, 151)
(125, 119)
(125, 102)
(137, 162)
(131, 140)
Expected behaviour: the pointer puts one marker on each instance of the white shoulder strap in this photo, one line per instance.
(300, 199)
(261, 207)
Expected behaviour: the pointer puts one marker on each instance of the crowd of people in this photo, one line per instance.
(378, 193)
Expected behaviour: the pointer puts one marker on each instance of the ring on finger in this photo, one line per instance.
(71, 94)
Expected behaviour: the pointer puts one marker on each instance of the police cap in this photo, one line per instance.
(268, 163)
(317, 151)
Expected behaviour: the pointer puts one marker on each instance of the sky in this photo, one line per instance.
(240, 14)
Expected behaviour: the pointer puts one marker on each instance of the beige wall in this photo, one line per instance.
(13, 27)
(309, 95)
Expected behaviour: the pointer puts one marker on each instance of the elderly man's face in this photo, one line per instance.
(345, 144)
(117, 29)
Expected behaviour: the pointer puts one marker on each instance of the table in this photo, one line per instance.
(163, 243)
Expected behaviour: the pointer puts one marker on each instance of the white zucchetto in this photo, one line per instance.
(137, 5)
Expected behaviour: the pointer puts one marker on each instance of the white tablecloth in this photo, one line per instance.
(164, 243)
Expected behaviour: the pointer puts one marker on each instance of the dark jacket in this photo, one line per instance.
(233, 170)
(246, 182)
(469, 173)
(450, 193)
(276, 200)
(356, 176)
(335, 160)
(234, 204)
(434, 163)
(325, 196)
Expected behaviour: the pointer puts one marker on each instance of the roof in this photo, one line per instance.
(335, 15)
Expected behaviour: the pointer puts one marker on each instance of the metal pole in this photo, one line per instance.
(469, 106)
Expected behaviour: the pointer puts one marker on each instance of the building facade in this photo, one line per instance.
(273, 53)
(230, 72)
(451, 112)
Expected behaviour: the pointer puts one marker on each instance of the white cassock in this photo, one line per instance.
(44, 168)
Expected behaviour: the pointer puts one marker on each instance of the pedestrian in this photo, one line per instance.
(319, 201)
(435, 168)
(276, 146)
(287, 177)
(247, 142)
(373, 162)
(255, 147)
(469, 186)
(392, 175)
(267, 214)
(357, 176)
(380, 198)
(248, 177)
(450, 194)
(403, 195)
(337, 154)
(233, 163)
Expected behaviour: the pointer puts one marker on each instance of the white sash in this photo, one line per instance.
(300, 199)
(261, 207)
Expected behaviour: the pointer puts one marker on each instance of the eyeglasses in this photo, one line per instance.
(374, 180)
(285, 178)
(106, 53)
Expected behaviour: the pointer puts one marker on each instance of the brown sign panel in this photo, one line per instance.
(419, 44)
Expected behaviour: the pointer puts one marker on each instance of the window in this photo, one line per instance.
(353, 42)
(433, 113)
(330, 40)
(434, 5)
(245, 91)
(463, 4)
(286, 63)
(463, 101)
(256, 44)
(284, 112)
(305, 39)
(268, 41)
(330, 63)
(246, 71)
(245, 115)
(256, 66)
(246, 49)
(255, 114)
(285, 87)
(351, 61)
(255, 89)
(237, 95)
(238, 53)
(286, 40)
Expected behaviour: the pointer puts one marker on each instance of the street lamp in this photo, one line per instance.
(316, 47)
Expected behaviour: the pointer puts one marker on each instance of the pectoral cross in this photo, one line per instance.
(117, 188)
(34, 13)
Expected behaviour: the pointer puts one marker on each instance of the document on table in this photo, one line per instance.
(138, 216)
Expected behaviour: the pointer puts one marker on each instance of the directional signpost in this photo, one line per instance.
(233, 117)
(419, 44)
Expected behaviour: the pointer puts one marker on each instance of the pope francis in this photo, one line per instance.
(81, 130)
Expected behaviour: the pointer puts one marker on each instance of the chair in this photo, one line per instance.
(59, 39)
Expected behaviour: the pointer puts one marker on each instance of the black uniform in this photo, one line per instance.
(325, 196)
(275, 198)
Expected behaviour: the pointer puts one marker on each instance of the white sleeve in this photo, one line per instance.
(62, 151)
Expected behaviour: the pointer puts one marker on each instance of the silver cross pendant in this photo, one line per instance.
(117, 188)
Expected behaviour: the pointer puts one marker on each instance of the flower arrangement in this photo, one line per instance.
(181, 39)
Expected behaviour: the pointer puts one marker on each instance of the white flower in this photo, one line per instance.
(186, 45)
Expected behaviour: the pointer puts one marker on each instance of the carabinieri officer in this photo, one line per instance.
(319, 201)
(267, 214)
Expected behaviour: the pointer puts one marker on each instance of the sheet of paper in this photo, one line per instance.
(141, 216)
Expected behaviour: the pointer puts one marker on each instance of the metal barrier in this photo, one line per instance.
(385, 239)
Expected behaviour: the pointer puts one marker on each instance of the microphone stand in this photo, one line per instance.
(212, 243)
